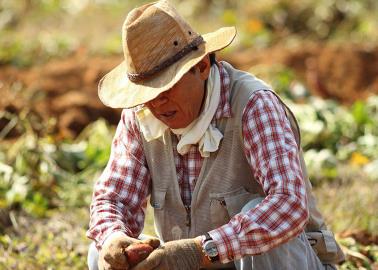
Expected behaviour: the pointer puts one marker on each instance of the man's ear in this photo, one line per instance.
(204, 67)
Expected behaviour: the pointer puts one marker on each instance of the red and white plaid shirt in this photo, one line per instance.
(120, 195)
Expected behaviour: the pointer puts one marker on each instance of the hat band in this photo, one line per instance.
(135, 77)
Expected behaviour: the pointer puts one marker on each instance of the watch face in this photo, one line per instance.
(210, 249)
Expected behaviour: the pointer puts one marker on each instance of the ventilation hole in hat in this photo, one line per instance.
(175, 43)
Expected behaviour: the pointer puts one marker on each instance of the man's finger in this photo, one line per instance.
(153, 242)
(151, 262)
(161, 266)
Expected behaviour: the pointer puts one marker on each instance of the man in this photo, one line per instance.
(216, 150)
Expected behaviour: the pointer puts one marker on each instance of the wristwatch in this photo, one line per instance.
(210, 248)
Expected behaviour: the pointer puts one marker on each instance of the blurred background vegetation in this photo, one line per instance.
(320, 56)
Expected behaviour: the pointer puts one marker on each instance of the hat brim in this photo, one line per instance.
(117, 91)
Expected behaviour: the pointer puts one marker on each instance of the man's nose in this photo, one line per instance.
(159, 101)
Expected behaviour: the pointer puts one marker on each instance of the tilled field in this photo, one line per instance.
(66, 89)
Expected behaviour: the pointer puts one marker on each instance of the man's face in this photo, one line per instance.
(180, 105)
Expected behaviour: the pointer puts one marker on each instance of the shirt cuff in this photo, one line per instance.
(227, 242)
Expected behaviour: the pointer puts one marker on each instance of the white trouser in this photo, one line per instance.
(295, 254)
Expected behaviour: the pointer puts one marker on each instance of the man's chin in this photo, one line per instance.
(176, 125)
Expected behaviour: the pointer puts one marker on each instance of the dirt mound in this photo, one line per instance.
(362, 237)
(342, 72)
(66, 89)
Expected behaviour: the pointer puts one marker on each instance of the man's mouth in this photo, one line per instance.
(168, 115)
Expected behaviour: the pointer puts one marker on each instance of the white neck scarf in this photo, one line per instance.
(200, 131)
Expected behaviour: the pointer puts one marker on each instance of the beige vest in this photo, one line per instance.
(225, 183)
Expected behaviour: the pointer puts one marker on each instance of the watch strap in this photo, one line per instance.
(207, 237)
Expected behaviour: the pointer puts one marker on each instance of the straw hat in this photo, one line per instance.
(159, 48)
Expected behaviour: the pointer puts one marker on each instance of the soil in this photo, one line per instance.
(66, 89)
(362, 237)
(341, 72)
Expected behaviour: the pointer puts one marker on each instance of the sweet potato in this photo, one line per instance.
(137, 252)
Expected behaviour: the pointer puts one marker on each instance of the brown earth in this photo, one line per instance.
(342, 72)
(362, 237)
(66, 89)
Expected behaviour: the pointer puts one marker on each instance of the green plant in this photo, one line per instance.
(37, 174)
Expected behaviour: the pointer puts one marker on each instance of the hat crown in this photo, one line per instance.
(153, 33)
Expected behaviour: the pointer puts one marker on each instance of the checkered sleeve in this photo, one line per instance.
(119, 197)
(272, 153)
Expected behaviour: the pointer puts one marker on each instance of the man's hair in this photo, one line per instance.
(212, 58)
(212, 61)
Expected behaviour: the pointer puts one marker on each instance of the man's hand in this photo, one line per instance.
(183, 254)
(113, 255)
